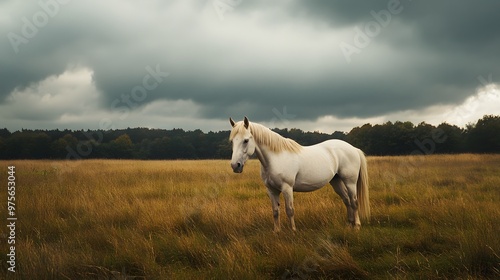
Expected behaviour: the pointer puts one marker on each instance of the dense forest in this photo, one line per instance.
(398, 138)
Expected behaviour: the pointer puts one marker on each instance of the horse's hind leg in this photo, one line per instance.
(350, 184)
(341, 189)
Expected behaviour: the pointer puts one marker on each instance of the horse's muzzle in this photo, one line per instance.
(237, 167)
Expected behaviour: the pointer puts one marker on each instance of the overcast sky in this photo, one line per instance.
(314, 65)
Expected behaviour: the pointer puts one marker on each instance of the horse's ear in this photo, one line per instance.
(231, 122)
(246, 122)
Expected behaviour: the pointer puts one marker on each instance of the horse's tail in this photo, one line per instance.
(362, 189)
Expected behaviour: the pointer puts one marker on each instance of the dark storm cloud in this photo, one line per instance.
(259, 56)
(434, 54)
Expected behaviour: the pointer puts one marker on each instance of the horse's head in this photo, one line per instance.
(243, 144)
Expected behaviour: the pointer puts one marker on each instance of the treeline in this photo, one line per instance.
(401, 138)
(398, 138)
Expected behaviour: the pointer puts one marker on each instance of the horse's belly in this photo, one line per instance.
(307, 187)
(308, 182)
(316, 170)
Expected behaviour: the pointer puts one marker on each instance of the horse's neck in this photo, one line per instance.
(262, 155)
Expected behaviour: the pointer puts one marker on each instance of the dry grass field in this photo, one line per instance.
(433, 217)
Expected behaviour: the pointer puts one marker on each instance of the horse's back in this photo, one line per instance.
(346, 156)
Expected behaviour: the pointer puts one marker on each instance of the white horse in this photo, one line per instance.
(288, 167)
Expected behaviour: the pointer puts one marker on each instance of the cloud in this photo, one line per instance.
(250, 59)
(70, 100)
(69, 93)
(485, 102)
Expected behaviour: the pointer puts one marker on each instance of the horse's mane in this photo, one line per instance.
(267, 137)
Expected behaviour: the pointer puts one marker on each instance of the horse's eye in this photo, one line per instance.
(245, 141)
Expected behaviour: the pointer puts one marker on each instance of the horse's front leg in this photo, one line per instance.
(288, 194)
(274, 195)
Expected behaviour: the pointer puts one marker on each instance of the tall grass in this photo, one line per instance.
(433, 217)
